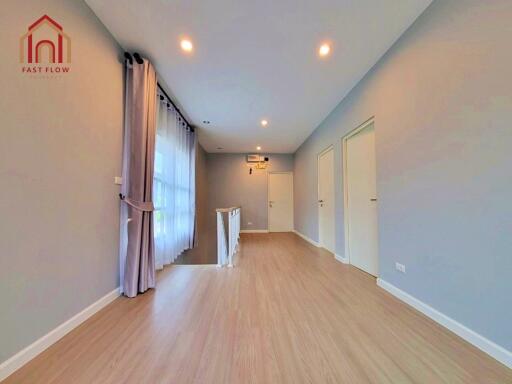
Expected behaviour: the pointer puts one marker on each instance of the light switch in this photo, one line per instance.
(118, 180)
(400, 267)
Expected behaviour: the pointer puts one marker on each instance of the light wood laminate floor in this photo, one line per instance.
(287, 313)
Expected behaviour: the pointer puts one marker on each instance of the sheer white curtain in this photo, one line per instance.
(173, 186)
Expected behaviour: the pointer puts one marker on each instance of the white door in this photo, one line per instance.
(361, 199)
(326, 199)
(280, 202)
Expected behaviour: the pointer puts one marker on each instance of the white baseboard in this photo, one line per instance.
(341, 259)
(254, 231)
(24, 356)
(499, 353)
(311, 241)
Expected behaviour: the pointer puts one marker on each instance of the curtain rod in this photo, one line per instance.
(139, 60)
(176, 108)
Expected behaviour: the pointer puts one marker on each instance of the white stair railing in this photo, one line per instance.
(227, 238)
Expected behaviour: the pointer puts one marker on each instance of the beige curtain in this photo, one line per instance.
(137, 245)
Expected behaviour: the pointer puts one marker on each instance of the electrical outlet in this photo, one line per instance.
(400, 267)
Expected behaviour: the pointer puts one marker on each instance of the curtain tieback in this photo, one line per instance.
(138, 205)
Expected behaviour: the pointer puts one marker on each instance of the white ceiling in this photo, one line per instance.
(257, 59)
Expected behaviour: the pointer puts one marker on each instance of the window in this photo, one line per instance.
(173, 186)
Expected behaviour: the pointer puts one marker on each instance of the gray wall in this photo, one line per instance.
(60, 149)
(442, 101)
(203, 252)
(201, 194)
(229, 184)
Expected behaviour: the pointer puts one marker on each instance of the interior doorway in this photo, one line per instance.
(326, 199)
(360, 192)
(280, 201)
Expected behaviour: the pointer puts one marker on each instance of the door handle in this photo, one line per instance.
(373, 199)
(320, 201)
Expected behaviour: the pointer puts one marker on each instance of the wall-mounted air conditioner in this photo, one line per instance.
(255, 158)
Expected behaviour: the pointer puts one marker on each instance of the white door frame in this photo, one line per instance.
(344, 140)
(329, 148)
(268, 195)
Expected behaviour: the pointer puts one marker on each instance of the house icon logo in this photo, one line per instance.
(45, 43)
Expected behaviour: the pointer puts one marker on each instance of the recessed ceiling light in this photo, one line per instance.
(324, 50)
(186, 45)
(264, 123)
(258, 148)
